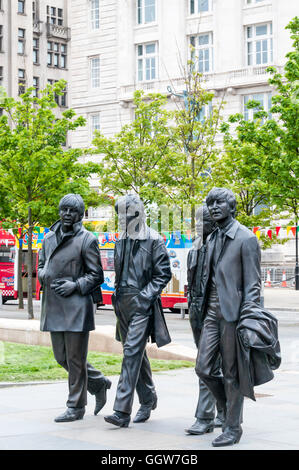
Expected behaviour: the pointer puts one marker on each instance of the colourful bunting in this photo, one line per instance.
(255, 229)
(294, 231)
(258, 234)
(277, 230)
(288, 230)
(269, 233)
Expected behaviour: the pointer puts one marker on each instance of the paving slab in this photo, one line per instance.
(27, 415)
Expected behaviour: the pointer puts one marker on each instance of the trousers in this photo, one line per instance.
(70, 351)
(206, 403)
(218, 335)
(134, 330)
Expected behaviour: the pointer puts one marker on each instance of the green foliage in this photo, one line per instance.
(187, 176)
(261, 158)
(35, 167)
(133, 159)
(24, 363)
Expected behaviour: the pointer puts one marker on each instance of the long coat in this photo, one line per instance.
(152, 267)
(258, 348)
(195, 262)
(76, 258)
(238, 273)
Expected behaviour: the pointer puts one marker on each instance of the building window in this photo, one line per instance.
(200, 6)
(61, 100)
(50, 53)
(95, 72)
(202, 52)
(54, 15)
(21, 41)
(146, 11)
(35, 50)
(21, 81)
(95, 14)
(147, 62)
(259, 44)
(94, 124)
(57, 55)
(34, 15)
(63, 56)
(1, 38)
(263, 98)
(21, 6)
(36, 86)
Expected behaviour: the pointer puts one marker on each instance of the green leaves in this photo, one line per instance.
(261, 157)
(35, 167)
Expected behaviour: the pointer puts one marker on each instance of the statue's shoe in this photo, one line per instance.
(71, 414)
(144, 411)
(200, 427)
(227, 438)
(118, 419)
(101, 396)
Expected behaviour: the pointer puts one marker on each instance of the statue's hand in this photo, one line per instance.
(64, 288)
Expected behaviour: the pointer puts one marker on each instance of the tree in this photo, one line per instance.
(134, 158)
(186, 178)
(36, 168)
(262, 156)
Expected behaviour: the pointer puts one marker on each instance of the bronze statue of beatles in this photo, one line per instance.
(142, 270)
(205, 410)
(70, 273)
(232, 277)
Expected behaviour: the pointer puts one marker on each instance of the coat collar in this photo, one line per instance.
(231, 232)
(57, 226)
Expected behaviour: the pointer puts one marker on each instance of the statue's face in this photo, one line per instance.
(69, 215)
(126, 214)
(204, 229)
(219, 209)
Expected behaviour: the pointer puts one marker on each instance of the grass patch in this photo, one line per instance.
(24, 363)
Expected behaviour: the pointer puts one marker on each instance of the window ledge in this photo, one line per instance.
(145, 25)
(205, 14)
(257, 5)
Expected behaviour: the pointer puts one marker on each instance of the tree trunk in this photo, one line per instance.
(30, 263)
(20, 280)
(192, 198)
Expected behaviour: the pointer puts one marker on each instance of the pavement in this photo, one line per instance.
(27, 413)
(270, 423)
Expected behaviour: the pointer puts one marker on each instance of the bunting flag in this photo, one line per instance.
(293, 231)
(269, 233)
(288, 230)
(277, 230)
(255, 229)
(258, 234)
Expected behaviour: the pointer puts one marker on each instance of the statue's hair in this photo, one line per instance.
(226, 194)
(73, 200)
(203, 211)
(131, 200)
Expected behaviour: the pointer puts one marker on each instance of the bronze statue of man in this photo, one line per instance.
(70, 273)
(232, 278)
(142, 270)
(205, 410)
